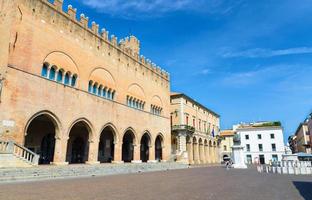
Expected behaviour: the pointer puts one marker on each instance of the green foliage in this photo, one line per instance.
(276, 123)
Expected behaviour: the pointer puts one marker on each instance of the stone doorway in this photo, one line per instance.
(144, 148)
(127, 146)
(106, 146)
(40, 137)
(78, 145)
(158, 149)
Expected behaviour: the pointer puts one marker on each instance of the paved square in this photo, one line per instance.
(198, 183)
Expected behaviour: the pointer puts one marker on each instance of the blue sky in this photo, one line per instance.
(246, 60)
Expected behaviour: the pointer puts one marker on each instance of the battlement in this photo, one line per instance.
(129, 46)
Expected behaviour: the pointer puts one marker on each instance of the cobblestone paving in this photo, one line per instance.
(207, 183)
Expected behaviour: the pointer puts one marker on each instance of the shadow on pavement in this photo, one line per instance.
(304, 188)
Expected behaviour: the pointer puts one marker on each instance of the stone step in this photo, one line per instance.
(52, 172)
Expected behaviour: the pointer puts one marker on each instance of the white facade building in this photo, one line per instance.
(263, 142)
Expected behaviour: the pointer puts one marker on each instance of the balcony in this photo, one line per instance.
(189, 129)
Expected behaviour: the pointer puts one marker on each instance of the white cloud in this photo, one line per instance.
(263, 53)
(262, 74)
(155, 8)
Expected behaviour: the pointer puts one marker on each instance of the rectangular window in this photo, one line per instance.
(262, 159)
(259, 136)
(247, 137)
(187, 122)
(273, 147)
(272, 136)
(274, 158)
(248, 147)
(224, 148)
(249, 159)
(260, 147)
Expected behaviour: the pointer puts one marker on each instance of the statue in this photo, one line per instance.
(237, 152)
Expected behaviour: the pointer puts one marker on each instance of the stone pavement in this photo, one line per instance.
(207, 183)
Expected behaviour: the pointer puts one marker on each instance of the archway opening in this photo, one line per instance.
(158, 148)
(144, 148)
(78, 144)
(127, 146)
(40, 138)
(106, 146)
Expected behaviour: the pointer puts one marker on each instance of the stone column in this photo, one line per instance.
(60, 151)
(214, 154)
(196, 153)
(117, 153)
(190, 152)
(201, 154)
(218, 155)
(206, 151)
(136, 154)
(93, 152)
(151, 155)
(181, 143)
(210, 154)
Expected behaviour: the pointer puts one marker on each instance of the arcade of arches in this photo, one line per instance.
(195, 150)
(42, 138)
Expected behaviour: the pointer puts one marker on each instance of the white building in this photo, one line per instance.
(263, 141)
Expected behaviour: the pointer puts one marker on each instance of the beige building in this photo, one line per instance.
(74, 95)
(194, 131)
(226, 144)
(302, 137)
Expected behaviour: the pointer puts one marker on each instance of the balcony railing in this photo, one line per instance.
(183, 127)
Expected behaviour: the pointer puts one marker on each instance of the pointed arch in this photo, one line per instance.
(134, 134)
(113, 128)
(40, 132)
(149, 135)
(51, 115)
(86, 122)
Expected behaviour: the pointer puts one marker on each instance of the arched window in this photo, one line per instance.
(113, 95)
(100, 90)
(67, 77)
(74, 80)
(104, 93)
(59, 76)
(109, 94)
(136, 104)
(132, 103)
(90, 86)
(44, 71)
(95, 88)
(52, 73)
